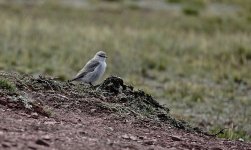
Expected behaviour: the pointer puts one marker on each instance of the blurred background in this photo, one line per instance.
(193, 56)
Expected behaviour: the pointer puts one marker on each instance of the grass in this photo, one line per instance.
(5, 85)
(198, 65)
(231, 133)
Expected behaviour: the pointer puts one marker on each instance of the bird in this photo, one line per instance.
(93, 70)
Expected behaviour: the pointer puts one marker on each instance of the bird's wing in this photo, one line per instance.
(89, 67)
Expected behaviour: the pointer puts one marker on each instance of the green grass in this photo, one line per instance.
(232, 133)
(5, 85)
(198, 65)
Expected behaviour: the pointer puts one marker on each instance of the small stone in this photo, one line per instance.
(5, 145)
(32, 147)
(109, 142)
(50, 122)
(134, 138)
(46, 137)
(34, 115)
(125, 121)
(149, 142)
(82, 133)
(42, 142)
(241, 139)
(93, 110)
(176, 138)
(125, 136)
(142, 137)
(110, 128)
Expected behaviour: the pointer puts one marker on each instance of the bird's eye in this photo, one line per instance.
(101, 55)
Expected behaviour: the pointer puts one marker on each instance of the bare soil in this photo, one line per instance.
(42, 113)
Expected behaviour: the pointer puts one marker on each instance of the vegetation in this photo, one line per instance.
(5, 85)
(196, 59)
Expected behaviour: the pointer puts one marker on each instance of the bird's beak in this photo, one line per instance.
(106, 57)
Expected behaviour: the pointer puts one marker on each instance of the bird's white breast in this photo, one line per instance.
(101, 69)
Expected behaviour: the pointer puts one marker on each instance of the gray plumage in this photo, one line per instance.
(93, 70)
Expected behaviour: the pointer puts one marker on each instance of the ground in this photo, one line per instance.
(193, 56)
(43, 113)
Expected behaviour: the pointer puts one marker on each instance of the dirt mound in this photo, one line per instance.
(112, 96)
(43, 113)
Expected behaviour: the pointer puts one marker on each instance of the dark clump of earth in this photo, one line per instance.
(43, 113)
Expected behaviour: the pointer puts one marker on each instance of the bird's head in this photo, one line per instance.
(100, 55)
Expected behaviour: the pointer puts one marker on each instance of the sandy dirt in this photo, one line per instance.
(67, 119)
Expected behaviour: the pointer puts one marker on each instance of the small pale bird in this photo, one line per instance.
(93, 70)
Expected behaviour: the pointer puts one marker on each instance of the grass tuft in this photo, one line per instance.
(6, 85)
(191, 11)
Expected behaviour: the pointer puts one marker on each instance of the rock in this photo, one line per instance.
(134, 138)
(46, 137)
(50, 122)
(241, 139)
(42, 142)
(125, 136)
(110, 128)
(176, 138)
(82, 132)
(32, 146)
(34, 115)
(129, 137)
(6, 145)
(93, 110)
(142, 137)
(109, 142)
(149, 142)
